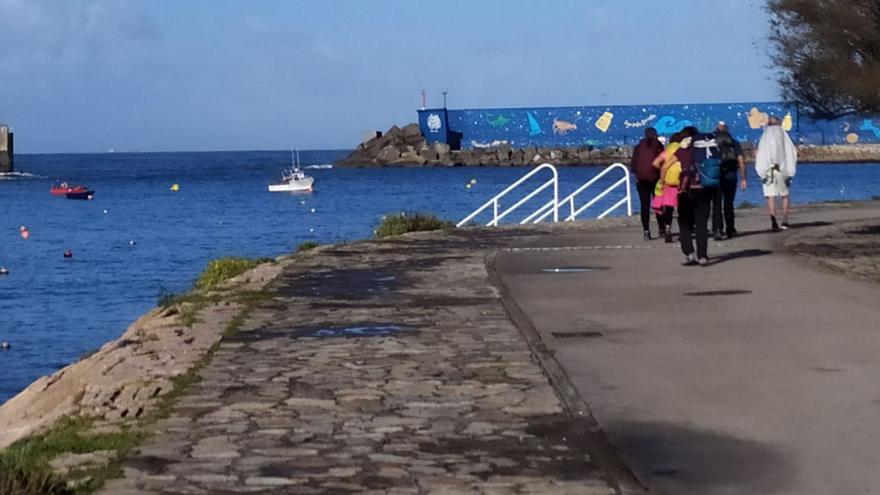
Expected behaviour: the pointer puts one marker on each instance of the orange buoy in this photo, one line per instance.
(25, 233)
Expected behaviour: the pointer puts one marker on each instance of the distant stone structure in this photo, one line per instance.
(407, 147)
(6, 149)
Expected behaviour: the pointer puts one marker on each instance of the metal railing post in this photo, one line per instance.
(495, 201)
(629, 202)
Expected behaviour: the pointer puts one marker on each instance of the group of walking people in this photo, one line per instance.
(698, 174)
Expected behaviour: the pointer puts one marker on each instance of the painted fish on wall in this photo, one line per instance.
(498, 122)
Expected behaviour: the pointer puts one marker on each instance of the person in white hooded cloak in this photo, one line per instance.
(776, 164)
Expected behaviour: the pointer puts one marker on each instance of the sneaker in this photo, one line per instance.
(785, 226)
(718, 236)
(732, 233)
(647, 235)
(689, 260)
(668, 237)
(703, 262)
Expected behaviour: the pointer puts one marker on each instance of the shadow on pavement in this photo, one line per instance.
(678, 460)
(745, 253)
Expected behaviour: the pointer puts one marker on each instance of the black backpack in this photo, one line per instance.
(727, 149)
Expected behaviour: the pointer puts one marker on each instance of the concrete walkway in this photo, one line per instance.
(755, 375)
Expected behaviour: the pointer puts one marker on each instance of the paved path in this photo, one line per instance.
(755, 375)
(387, 367)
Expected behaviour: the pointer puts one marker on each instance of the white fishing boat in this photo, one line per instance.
(293, 180)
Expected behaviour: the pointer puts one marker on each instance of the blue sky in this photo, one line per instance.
(94, 75)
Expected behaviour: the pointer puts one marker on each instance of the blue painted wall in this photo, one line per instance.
(624, 125)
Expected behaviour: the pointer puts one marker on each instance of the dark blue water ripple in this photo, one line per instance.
(53, 310)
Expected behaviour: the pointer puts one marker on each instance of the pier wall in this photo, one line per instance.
(622, 125)
(6, 150)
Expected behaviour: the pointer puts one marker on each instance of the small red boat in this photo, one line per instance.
(64, 189)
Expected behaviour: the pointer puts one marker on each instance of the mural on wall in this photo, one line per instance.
(640, 123)
(868, 126)
(534, 128)
(498, 122)
(625, 125)
(562, 127)
(604, 121)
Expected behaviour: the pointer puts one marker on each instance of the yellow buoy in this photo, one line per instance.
(474, 181)
(175, 187)
(468, 186)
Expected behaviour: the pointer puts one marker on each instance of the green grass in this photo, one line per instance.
(306, 246)
(24, 465)
(403, 223)
(223, 269)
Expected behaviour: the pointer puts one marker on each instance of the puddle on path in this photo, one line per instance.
(574, 269)
(365, 330)
(725, 292)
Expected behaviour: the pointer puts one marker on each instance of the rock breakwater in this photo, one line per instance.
(406, 147)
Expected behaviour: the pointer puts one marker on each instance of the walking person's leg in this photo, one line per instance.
(702, 203)
(786, 203)
(728, 192)
(717, 222)
(771, 206)
(686, 227)
(646, 190)
(668, 211)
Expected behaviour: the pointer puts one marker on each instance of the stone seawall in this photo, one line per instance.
(406, 147)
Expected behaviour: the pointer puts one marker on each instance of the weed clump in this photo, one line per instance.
(306, 246)
(220, 270)
(24, 465)
(403, 223)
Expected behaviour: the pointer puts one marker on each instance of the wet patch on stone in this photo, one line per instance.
(552, 447)
(352, 284)
(364, 330)
(355, 330)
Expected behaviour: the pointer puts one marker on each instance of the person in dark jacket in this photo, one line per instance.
(731, 159)
(642, 165)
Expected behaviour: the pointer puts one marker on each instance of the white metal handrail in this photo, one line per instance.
(570, 199)
(550, 207)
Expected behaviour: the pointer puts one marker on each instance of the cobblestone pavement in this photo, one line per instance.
(383, 367)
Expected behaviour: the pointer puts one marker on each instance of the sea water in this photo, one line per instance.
(138, 239)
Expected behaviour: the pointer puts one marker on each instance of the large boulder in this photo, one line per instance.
(388, 154)
(408, 158)
(412, 134)
(442, 149)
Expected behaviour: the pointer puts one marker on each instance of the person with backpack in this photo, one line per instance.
(700, 175)
(731, 159)
(646, 176)
(666, 193)
(776, 164)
